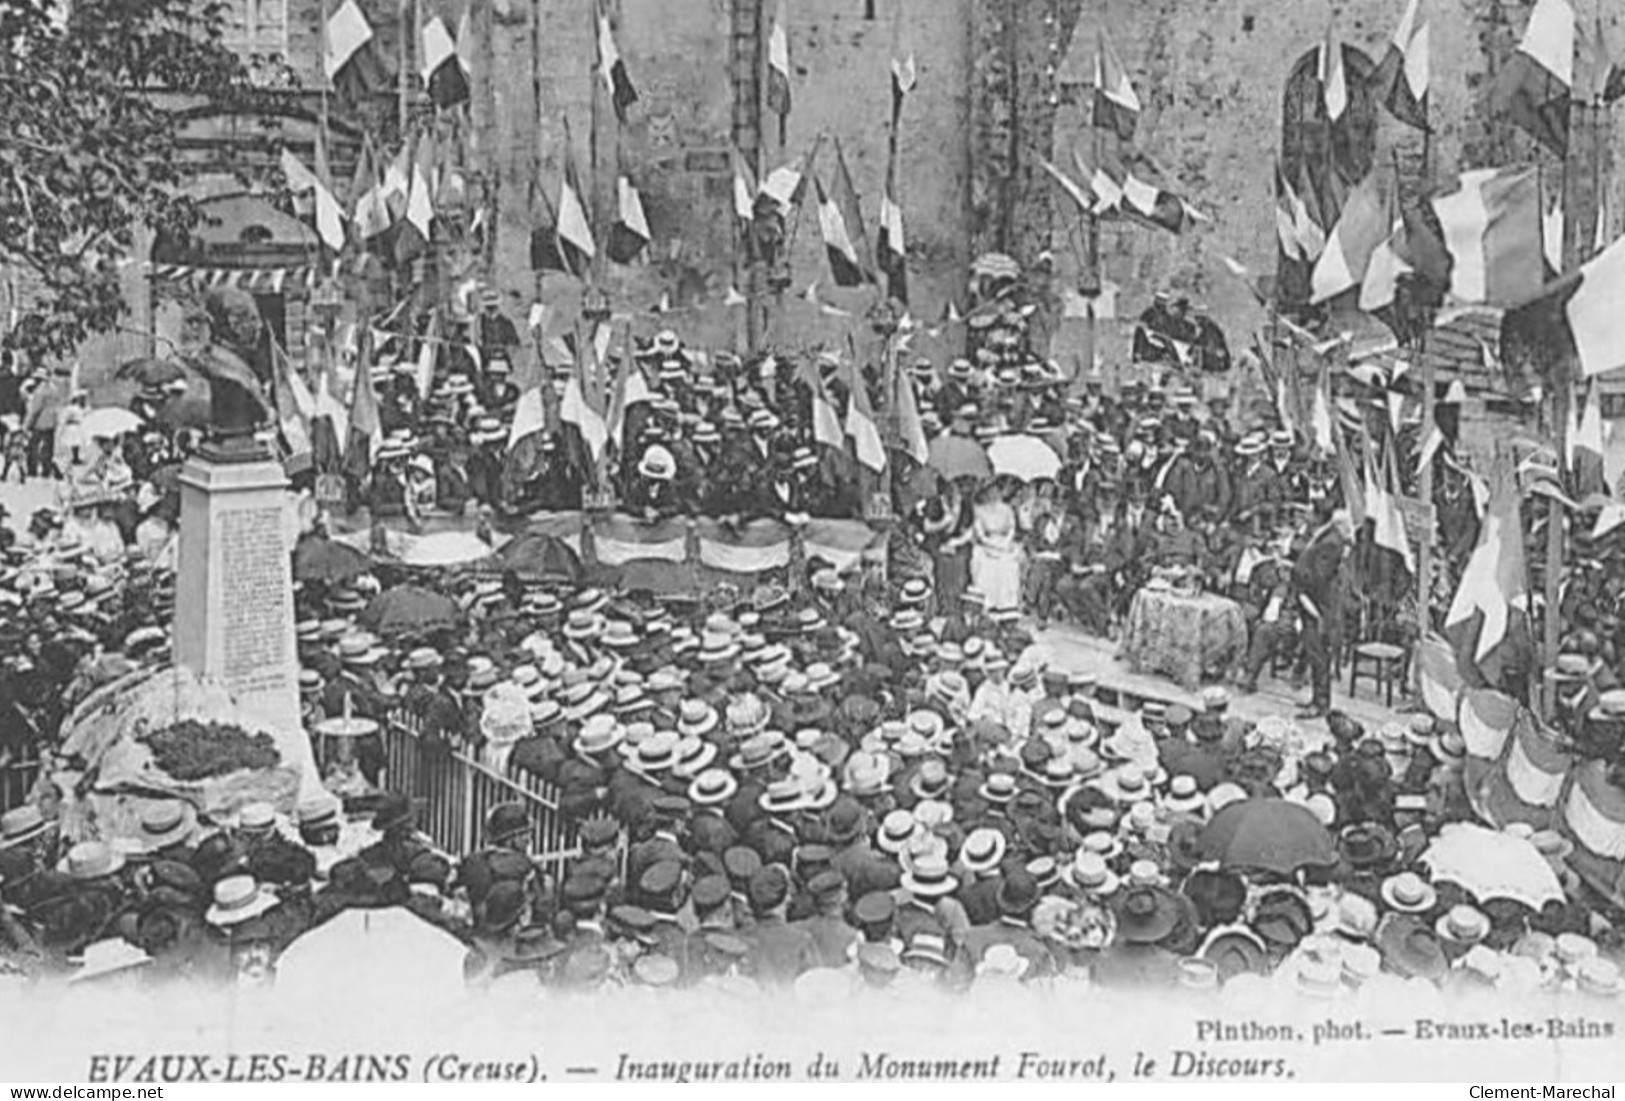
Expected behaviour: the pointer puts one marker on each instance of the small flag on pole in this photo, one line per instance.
(575, 230)
(612, 69)
(778, 69)
(1116, 106)
(1334, 88)
(629, 236)
(329, 216)
(1536, 84)
(842, 227)
(1401, 81)
(443, 66)
(354, 66)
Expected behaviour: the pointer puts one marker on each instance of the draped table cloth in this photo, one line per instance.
(1184, 636)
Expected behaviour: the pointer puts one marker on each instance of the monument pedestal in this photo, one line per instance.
(234, 615)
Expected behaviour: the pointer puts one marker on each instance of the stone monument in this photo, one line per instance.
(234, 614)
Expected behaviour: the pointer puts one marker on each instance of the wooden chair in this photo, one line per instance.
(1378, 653)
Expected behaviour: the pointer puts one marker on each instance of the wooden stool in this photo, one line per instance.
(1382, 662)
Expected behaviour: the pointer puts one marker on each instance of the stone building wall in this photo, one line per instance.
(1209, 72)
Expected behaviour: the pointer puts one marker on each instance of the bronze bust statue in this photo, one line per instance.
(238, 408)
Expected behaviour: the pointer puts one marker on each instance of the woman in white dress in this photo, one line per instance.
(995, 563)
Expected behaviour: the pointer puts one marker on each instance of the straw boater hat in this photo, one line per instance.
(982, 850)
(1409, 893)
(929, 877)
(165, 823)
(1462, 926)
(712, 787)
(21, 825)
(91, 860)
(238, 898)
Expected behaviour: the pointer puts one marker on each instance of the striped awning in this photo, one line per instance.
(253, 280)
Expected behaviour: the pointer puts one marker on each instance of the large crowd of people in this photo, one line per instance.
(777, 791)
(876, 777)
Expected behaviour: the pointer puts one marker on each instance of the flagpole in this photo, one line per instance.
(1579, 208)
(592, 203)
(1424, 488)
(408, 26)
(1091, 255)
(322, 167)
(756, 318)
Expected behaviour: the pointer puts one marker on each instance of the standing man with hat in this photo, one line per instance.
(498, 339)
(1316, 576)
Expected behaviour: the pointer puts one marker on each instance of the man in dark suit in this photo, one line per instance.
(1018, 896)
(1315, 576)
(778, 952)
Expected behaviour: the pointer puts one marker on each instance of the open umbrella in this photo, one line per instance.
(150, 372)
(110, 422)
(1269, 834)
(541, 556)
(445, 548)
(1026, 457)
(958, 457)
(409, 610)
(1490, 864)
(318, 558)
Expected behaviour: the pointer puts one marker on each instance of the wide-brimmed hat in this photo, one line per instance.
(999, 787)
(1409, 893)
(782, 797)
(897, 829)
(1235, 950)
(599, 734)
(982, 850)
(697, 718)
(1126, 785)
(929, 876)
(656, 753)
(91, 860)
(866, 774)
(758, 751)
(1462, 926)
(1184, 797)
(1145, 915)
(584, 700)
(22, 824)
(1411, 949)
(359, 650)
(1089, 873)
(694, 756)
(712, 787)
(1283, 918)
(164, 823)
(581, 625)
(1365, 844)
(238, 898)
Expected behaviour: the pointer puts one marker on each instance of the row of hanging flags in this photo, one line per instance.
(604, 383)
(390, 205)
(1492, 238)
(1115, 178)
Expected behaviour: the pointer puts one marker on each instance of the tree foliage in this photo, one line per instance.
(87, 155)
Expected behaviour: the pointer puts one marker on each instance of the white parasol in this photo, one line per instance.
(1025, 457)
(1489, 864)
(446, 548)
(110, 422)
